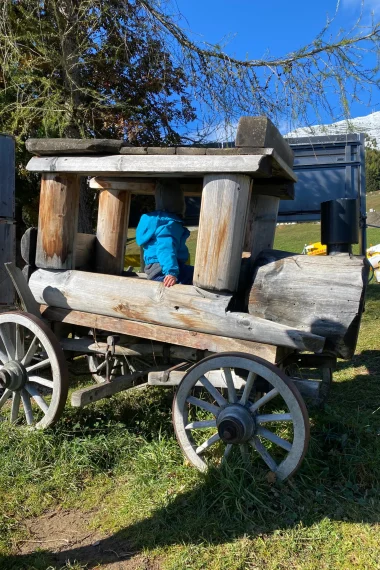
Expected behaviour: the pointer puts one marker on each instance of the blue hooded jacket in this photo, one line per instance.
(163, 238)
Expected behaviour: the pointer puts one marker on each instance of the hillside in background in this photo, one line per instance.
(369, 125)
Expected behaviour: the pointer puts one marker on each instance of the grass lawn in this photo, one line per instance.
(108, 487)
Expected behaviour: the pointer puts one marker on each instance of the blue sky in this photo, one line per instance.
(279, 26)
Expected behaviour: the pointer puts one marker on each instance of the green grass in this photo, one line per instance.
(120, 459)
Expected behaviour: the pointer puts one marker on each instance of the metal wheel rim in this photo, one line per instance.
(23, 397)
(288, 392)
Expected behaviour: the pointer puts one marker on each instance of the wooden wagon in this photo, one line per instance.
(240, 343)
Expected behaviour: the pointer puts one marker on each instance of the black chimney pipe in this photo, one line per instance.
(340, 225)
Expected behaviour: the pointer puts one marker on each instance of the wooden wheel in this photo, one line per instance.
(97, 365)
(33, 372)
(212, 425)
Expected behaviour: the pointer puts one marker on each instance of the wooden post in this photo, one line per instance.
(221, 231)
(111, 232)
(58, 221)
(261, 224)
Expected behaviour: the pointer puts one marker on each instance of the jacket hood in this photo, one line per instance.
(149, 223)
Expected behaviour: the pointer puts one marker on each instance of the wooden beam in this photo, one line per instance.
(224, 207)
(161, 165)
(111, 231)
(319, 294)
(58, 221)
(144, 186)
(197, 340)
(182, 306)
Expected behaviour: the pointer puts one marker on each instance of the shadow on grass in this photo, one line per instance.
(339, 480)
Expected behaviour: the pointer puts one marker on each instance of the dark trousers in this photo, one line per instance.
(185, 277)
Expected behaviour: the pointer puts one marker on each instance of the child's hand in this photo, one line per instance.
(170, 280)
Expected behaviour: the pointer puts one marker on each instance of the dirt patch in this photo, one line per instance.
(67, 536)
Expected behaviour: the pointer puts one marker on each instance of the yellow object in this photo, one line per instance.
(132, 260)
(315, 249)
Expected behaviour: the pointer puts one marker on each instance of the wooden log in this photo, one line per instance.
(58, 221)
(181, 306)
(142, 186)
(261, 225)
(111, 230)
(319, 294)
(56, 147)
(197, 340)
(223, 214)
(28, 246)
(160, 166)
(261, 132)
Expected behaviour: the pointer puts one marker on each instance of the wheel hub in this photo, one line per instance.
(13, 376)
(235, 424)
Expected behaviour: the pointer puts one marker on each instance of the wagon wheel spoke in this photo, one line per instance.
(5, 397)
(30, 352)
(41, 381)
(204, 405)
(37, 398)
(15, 406)
(208, 443)
(3, 354)
(27, 407)
(42, 364)
(19, 348)
(244, 452)
(267, 418)
(232, 398)
(213, 391)
(248, 388)
(274, 438)
(267, 398)
(261, 449)
(6, 338)
(201, 424)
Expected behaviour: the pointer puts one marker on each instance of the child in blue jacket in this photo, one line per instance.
(163, 237)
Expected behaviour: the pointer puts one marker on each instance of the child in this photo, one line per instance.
(162, 235)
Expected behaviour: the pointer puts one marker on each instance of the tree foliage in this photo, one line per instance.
(114, 68)
(372, 168)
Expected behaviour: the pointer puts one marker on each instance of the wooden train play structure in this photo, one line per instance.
(255, 337)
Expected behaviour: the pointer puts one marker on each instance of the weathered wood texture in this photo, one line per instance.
(261, 132)
(319, 294)
(85, 251)
(222, 222)
(181, 306)
(25, 295)
(56, 147)
(140, 185)
(257, 166)
(197, 340)
(111, 230)
(7, 212)
(280, 188)
(57, 221)
(29, 246)
(261, 224)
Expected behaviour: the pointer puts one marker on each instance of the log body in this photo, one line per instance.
(111, 231)
(222, 223)
(319, 294)
(57, 221)
(181, 306)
